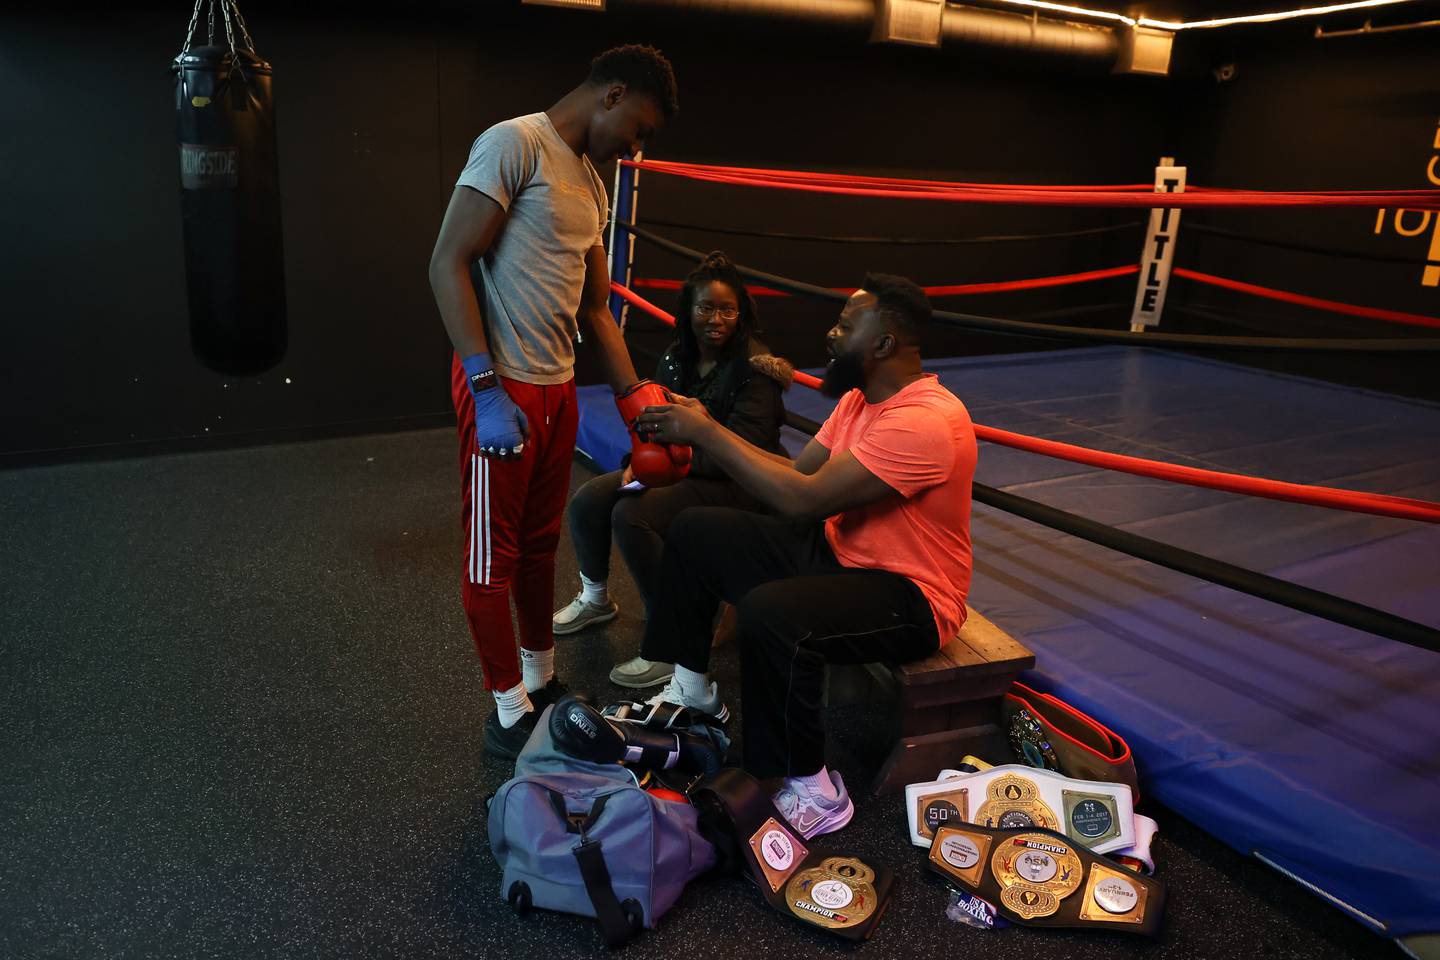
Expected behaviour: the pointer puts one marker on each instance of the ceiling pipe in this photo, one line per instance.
(922, 22)
(859, 14)
(1034, 34)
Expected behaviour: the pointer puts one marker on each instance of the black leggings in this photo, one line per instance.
(799, 609)
(638, 522)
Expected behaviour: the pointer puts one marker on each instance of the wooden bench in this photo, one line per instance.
(947, 705)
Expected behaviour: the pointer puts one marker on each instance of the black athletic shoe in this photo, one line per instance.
(507, 742)
(548, 694)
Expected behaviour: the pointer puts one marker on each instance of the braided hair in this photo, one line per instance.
(716, 266)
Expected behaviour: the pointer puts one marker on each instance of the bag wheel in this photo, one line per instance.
(519, 898)
(635, 914)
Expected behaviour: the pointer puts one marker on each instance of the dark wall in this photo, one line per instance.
(1303, 113)
(97, 349)
(376, 113)
(377, 110)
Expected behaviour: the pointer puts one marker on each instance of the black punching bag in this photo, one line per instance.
(230, 198)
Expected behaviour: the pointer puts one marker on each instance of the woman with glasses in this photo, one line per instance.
(716, 359)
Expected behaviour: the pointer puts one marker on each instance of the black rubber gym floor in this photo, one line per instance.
(242, 718)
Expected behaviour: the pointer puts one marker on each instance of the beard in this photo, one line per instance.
(845, 373)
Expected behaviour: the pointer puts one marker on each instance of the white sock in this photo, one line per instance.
(512, 704)
(694, 687)
(817, 785)
(594, 592)
(537, 667)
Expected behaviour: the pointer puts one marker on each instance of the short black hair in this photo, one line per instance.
(640, 68)
(902, 304)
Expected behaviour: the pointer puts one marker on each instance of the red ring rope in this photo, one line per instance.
(1047, 196)
(803, 176)
(1334, 306)
(1352, 500)
(1358, 501)
(953, 290)
(1005, 286)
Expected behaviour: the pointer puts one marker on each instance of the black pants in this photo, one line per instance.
(638, 523)
(799, 609)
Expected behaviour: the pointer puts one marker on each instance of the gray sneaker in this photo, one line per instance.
(639, 673)
(579, 614)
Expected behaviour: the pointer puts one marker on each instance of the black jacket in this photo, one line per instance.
(742, 393)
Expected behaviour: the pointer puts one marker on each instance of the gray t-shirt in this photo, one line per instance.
(530, 281)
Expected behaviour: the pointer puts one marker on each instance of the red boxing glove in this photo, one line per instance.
(653, 464)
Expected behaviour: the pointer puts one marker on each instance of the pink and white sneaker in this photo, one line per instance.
(810, 813)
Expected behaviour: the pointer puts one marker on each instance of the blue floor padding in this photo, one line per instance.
(1313, 745)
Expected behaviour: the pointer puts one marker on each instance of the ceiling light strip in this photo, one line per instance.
(1200, 24)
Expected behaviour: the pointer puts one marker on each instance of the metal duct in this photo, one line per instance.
(1016, 31)
(840, 13)
(959, 24)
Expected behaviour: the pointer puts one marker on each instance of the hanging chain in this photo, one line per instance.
(190, 30)
(227, 8)
(244, 27)
(229, 34)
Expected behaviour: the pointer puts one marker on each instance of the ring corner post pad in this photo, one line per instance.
(843, 895)
(1041, 878)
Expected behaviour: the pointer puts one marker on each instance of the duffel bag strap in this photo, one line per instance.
(615, 927)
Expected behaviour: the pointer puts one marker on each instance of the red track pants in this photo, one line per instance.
(511, 514)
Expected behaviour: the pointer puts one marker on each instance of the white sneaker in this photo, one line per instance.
(711, 703)
(580, 614)
(811, 814)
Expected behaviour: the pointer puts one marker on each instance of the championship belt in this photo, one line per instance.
(1139, 857)
(844, 895)
(1099, 815)
(1041, 878)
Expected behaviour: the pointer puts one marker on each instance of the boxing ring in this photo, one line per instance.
(1304, 733)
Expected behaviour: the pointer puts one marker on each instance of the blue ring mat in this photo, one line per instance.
(1309, 744)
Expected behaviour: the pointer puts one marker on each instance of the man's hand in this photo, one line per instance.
(836, 484)
(653, 464)
(685, 420)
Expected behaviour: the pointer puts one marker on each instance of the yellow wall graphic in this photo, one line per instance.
(1405, 223)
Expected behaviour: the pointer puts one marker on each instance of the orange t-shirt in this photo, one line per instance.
(921, 442)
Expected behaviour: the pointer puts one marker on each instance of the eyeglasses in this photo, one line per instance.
(708, 310)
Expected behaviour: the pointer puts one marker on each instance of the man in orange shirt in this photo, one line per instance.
(867, 558)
